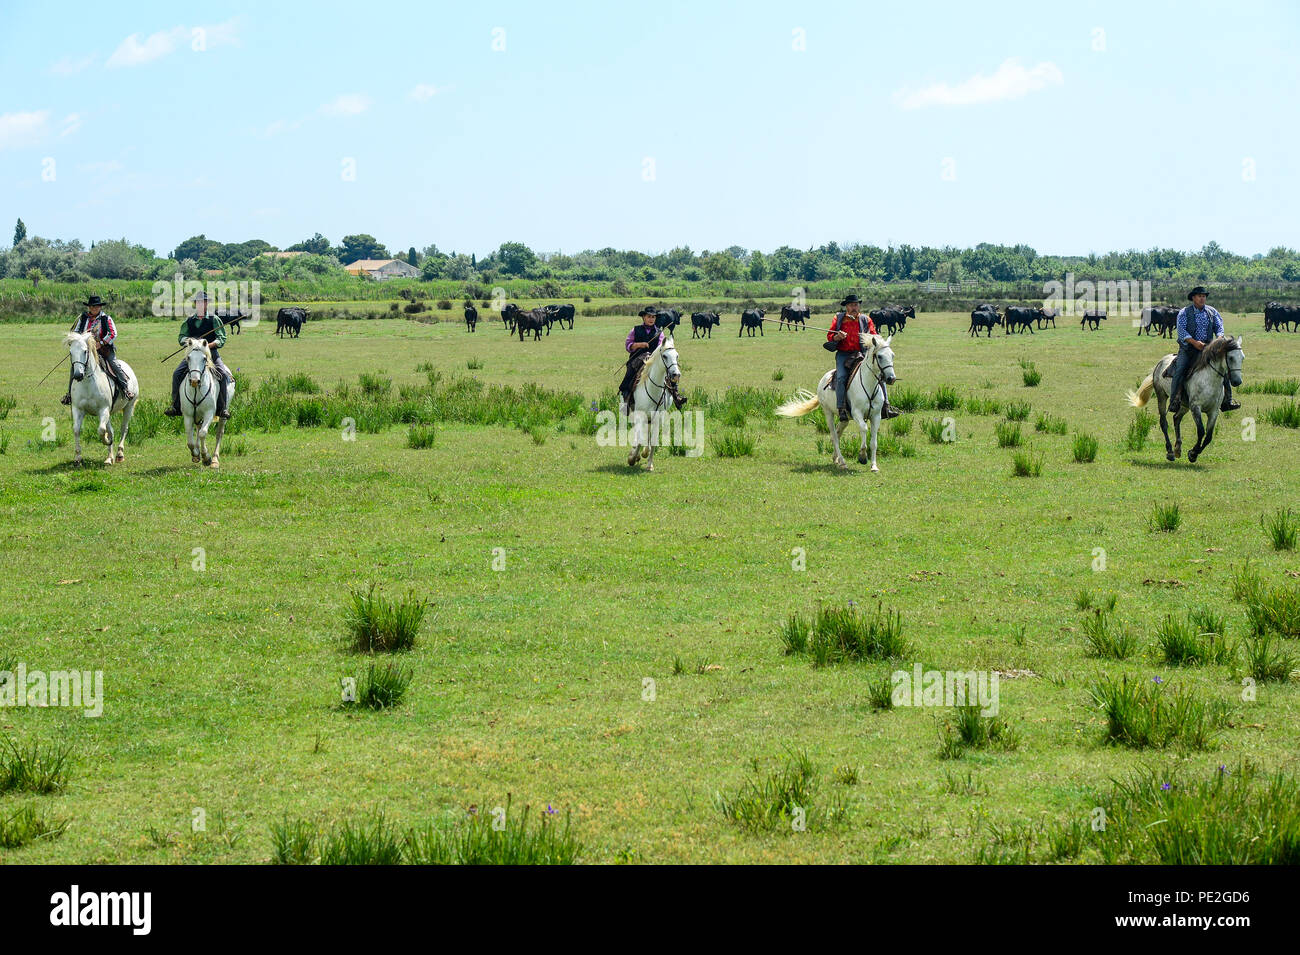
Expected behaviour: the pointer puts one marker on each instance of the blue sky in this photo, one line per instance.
(925, 123)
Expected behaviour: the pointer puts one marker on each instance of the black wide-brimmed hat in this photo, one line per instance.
(648, 310)
(94, 300)
(850, 300)
(1199, 290)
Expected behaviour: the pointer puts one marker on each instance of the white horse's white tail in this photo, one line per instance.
(1139, 398)
(803, 402)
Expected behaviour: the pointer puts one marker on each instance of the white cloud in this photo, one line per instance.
(349, 104)
(71, 123)
(134, 52)
(424, 91)
(23, 129)
(68, 66)
(1011, 80)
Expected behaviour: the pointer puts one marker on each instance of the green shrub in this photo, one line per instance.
(1194, 640)
(777, 800)
(380, 625)
(1027, 464)
(1284, 415)
(1016, 410)
(835, 634)
(946, 398)
(1107, 640)
(734, 443)
(28, 825)
(1085, 448)
(1166, 518)
(384, 687)
(1050, 424)
(420, 437)
(970, 729)
(1141, 714)
(40, 768)
(1008, 435)
(1281, 527)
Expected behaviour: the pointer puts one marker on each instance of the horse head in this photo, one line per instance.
(197, 359)
(883, 356)
(668, 355)
(80, 348)
(1234, 359)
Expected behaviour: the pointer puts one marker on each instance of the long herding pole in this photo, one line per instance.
(182, 348)
(52, 370)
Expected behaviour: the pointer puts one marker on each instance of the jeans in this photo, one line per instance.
(183, 368)
(842, 361)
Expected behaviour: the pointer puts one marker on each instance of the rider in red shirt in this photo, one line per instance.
(848, 331)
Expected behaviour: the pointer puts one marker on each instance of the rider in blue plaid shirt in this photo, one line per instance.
(1198, 325)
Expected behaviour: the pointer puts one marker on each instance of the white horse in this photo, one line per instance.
(199, 402)
(92, 394)
(1220, 359)
(656, 383)
(865, 394)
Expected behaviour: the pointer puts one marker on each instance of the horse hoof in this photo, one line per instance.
(194, 458)
(874, 468)
(1191, 457)
(120, 457)
(649, 467)
(216, 463)
(1169, 456)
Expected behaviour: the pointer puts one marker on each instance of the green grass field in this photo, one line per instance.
(222, 685)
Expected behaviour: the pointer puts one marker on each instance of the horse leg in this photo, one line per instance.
(203, 439)
(864, 437)
(1164, 427)
(190, 442)
(1193, 454)
(106, 432)
(77, 417)
(875, 430)
(127, 411)
(1178, 432)
(216, 448)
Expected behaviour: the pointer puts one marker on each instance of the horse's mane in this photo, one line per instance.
(207, 352)
(665, 342)
(1216, 349)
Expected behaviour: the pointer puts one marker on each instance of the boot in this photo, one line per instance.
(1175, 405)
(66, 399)
(1230, 404)
(889, 411)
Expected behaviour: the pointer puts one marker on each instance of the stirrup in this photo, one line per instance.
(172, 412)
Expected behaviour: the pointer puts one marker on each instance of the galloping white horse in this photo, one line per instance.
(199, 402)
(654, 386)
(865, 394)
(92, 394)
(1220, 360)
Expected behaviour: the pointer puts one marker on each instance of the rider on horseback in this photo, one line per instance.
(207, 328)
(847, 334)
(100, 323)
(1198, 324)
(641, 344)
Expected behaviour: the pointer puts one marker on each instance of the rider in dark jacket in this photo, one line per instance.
(210, 329)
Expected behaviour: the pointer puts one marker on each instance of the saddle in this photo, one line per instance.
(853, 370)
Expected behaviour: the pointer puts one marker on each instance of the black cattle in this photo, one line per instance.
(668, 318)
(1048, 315)
(790, 314)
(751, 318)
(232, 319)
(559, 314)
(984, 316)
(1162, 318)
(702, 323)
(290, 320)
(1094, 315)
(471, 318)
(1277, 316)
(892, 317)
(518, 320)
(1020, 317)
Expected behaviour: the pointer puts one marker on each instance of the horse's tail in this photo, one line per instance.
(798, 406)
(1139, 398)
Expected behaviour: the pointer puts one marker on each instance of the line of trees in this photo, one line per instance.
(984, 263)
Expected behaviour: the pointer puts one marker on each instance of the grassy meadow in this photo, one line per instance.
(559, 582)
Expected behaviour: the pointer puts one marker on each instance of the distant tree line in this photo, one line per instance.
(57, 260)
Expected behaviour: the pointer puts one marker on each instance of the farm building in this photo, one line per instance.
(383, 269)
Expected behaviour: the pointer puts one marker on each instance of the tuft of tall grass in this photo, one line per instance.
(934, 430)
(1273, 386)
(384, 687)
(420, 437)
(1008, 435)
(1031, 376)
(1166, 517)
(1084, 448)
(1281, 527)
(1142, 714)
(7, 404)
(1267, 658)
(365, 842)
(782, 798)
(970, 729)
(1016, 410)
(1194, 640)
(28, 825)
(734, 443)
(379, 624)
(1284, 415)
(982, 406)
(1027, 464)
(35, 768)
(946, 398)
(480, 842)
(1107, 639)
(1050, 424)
(1139, 430)
(840, 634)
(908, 399)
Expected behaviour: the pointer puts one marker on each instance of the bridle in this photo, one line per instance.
(195, 402)
(879, 374)
(666, 387)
